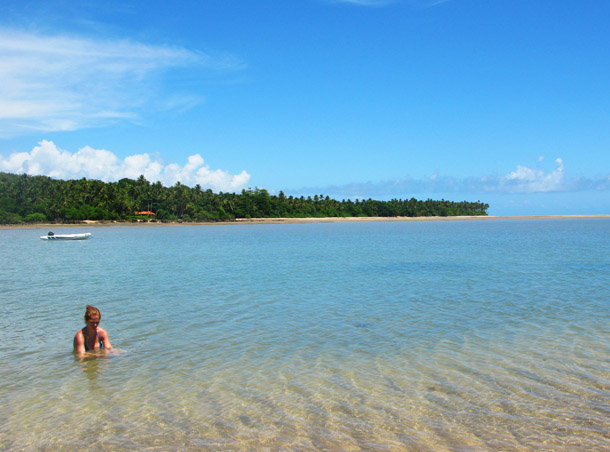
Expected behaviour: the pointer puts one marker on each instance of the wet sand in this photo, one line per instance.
(91, 223)
(364, 219)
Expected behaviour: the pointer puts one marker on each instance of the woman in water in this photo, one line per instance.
(91, 337)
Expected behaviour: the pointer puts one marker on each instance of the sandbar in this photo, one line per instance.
(92, 223)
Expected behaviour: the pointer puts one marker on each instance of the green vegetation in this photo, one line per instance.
(31, 199)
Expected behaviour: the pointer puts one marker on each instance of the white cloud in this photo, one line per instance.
(59, 83)
(47, 159)
(523, 180)
(528, 180)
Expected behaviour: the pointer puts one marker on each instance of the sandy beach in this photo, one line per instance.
(364, 219)
(92, 223)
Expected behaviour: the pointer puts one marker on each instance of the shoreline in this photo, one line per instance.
(93, 223)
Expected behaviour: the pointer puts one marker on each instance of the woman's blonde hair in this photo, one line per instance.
(92, 311)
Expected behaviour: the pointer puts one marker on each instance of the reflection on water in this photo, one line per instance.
(390, 337)
(91, 364)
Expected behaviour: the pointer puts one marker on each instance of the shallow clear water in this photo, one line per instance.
(423, 336)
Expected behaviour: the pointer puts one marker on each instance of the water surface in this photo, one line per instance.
(423, 336)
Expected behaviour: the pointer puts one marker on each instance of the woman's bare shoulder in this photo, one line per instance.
(101, 332)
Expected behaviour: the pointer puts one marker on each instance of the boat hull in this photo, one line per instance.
(83, 236)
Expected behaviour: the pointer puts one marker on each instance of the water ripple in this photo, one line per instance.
(453, 336)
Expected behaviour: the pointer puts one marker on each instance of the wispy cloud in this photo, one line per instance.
(47, 159)
(421, 4)
(58, 82)
(523, 179)
(365, 2)
(417, 4)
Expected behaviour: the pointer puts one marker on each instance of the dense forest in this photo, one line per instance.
(32, 199)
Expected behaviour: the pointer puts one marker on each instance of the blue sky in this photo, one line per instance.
(507, 102)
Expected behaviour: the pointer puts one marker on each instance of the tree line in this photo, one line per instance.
(31, 199)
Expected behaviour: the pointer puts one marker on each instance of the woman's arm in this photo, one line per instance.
(79, 343)
(104, 338)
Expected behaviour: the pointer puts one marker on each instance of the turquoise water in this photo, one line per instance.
(388, 336)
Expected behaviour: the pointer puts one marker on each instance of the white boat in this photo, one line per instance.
(51, 236)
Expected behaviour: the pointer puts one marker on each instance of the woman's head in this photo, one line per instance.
(92, 313)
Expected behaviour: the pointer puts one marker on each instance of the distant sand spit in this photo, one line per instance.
(91, 223)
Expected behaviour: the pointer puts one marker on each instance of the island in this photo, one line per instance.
(26, 199)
